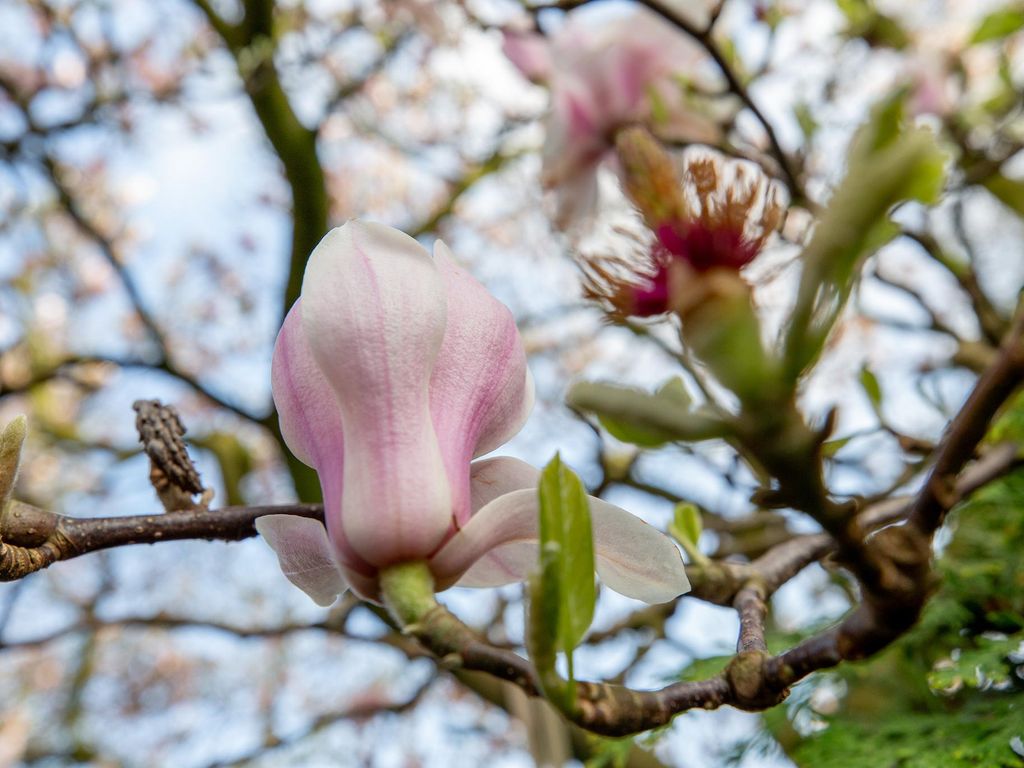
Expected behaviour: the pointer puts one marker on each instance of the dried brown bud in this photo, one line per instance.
(650, 176)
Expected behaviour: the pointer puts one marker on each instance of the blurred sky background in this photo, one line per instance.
(187, 187)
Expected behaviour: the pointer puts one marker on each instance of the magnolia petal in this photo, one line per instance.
(374, 313)
(499, 546)
(307, 408)
(305, 554)
(481, 391)
(530, 52)
(491, 478)
(605, 70)
(576, 138)
(310, 419)
(482, 360)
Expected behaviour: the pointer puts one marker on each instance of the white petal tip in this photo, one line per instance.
(305, 555)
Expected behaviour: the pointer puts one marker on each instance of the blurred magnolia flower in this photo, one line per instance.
(605, 74)
(933, 87)
(718, 218)
(392, 372)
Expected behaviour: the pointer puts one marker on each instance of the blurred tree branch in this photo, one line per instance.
(252, 43)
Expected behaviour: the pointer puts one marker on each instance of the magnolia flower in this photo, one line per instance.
(605, 75)
(725, 212)
(392, 372)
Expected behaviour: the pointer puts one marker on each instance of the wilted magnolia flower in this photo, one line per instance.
(720, 218)
(393, 372)
(605, 74)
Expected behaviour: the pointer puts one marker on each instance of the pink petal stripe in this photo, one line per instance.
(481, 391)
(373, 311)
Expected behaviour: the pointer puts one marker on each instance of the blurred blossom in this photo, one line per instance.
(15, 730)
(51, 310)
(724, 213)
(932, 92)
(68, 69)
(605, 74)
(943, 66)
(95, 275)
(136, 189)
(426, 15)
(393, 371)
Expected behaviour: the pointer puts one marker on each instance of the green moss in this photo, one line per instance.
(950, 693)
(979, 734)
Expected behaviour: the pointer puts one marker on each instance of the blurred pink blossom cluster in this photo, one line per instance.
(606, 72)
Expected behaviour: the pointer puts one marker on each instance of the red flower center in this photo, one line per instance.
(705, 246)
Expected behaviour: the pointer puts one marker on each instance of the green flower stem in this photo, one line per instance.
(12, 438)
(691, 549)
(408, 590)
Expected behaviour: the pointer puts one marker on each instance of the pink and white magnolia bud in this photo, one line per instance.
(393, 371)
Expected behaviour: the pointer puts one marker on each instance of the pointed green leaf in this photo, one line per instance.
(724, 332)
(831, 447)
(687, 522)
(686, 527)
(872, 388)
(805, 119)
(567, 554)
(886, 164)
(999, 24)
(645, 419)
(659, 110)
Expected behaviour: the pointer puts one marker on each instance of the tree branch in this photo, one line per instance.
(32, 539)
(705, 39)
(963, 434)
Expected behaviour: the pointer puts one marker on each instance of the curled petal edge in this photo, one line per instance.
(305, 555)
(499, 546)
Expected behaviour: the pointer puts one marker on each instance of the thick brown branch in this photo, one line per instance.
(751, 604)
(32, 539)
(963, 434)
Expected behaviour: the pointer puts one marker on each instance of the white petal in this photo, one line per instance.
(481, 391)
(499, 546)
(491, 478)
(305, 555)
(307, 407)
(374, 311)
(634, 558)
